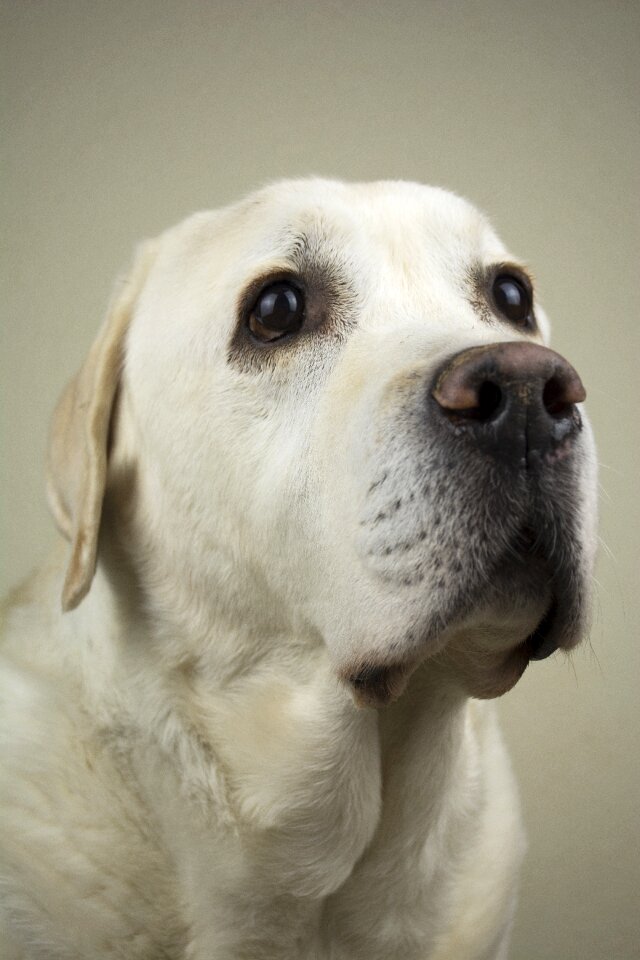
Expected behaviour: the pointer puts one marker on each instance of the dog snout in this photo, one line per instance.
(517, 400)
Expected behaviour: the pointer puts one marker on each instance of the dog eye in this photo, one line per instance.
(512, 299)
(278, 310)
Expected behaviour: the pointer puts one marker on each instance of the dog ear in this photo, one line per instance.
(79, 436)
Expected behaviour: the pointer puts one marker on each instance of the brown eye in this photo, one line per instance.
(279, 310)
(512, 299)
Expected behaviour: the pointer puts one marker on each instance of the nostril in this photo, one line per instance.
(554, 398)
(466, 401)
(489, 400)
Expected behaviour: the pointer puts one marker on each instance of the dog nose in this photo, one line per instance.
(517, 400)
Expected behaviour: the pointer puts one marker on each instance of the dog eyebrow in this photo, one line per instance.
(299, 246)
(309, 253)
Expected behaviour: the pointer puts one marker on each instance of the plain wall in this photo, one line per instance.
(122, 117)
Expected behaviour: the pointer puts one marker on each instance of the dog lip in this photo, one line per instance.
(542, 642)
(377, 684)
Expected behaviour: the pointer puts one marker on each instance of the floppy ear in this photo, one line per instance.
(78, 439)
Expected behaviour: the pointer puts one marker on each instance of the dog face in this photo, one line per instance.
(337, 417)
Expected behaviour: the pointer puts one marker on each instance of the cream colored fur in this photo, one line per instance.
(185, 773)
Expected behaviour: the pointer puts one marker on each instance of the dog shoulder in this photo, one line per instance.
(74, 834)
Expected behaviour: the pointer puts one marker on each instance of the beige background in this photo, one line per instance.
(121, 117)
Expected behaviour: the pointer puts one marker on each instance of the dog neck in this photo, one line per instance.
(333, 804)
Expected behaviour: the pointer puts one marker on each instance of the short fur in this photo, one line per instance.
(251, 729)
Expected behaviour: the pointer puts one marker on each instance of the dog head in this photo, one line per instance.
(341, 419)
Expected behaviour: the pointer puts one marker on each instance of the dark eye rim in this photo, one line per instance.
(252, 294)
(510, 271)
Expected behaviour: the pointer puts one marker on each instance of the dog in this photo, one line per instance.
(326, 492)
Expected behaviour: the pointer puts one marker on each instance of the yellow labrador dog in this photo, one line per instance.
(326, 490)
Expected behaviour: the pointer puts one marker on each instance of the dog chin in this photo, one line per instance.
(485, 652)
(488, 654)
(485, 629)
